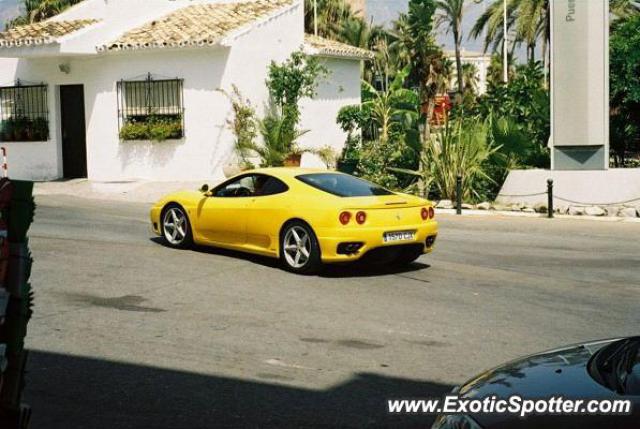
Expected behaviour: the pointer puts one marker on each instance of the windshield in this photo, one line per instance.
(617, 366)
(343, 185)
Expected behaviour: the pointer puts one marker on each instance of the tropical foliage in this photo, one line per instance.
(393, 133)
(288, 83)
(625, 88)
(389, 120)
(525, 100)
(528, 24)
(39, 10)
(279, 141)
(451, 12)
(462, 148)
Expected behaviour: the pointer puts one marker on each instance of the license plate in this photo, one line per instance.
(390, 237)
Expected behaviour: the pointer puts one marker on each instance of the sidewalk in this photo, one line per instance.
(129, 191)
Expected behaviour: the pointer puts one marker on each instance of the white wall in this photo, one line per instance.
(341, 88)
(595, 187)
(29, 160)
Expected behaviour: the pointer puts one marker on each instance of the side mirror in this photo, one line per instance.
(204, 188)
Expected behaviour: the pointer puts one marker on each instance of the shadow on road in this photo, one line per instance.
(355, 269)
(75, 392)
(362, 269)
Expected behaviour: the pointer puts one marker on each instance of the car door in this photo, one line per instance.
(222, 216)
(265, 213)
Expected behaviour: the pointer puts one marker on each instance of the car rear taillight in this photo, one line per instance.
(345, 217)
(361, 217)
(424, 213)
(432, 213)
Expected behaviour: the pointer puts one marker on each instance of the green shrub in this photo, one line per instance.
(155, 128)
(463, 147)
(165, 130)
(351, 119)
(23, 129)
(134, 131)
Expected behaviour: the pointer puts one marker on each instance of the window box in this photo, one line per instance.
(150, 110)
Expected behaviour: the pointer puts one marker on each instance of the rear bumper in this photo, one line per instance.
(371, 238)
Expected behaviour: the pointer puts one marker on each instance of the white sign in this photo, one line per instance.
(580, 73)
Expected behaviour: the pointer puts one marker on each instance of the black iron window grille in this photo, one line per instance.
(24, 113)
(150, 109)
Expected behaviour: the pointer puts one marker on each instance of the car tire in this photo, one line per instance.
(299, 249)
(407, 256)
(176, 228)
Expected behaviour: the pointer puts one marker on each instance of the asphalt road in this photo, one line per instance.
(128, 333)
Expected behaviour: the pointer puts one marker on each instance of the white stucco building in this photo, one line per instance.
(102, 64)
(480, 60)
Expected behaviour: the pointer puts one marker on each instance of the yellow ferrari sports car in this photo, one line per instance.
(303, 217)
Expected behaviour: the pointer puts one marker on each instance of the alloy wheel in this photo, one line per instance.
(297, 247)
(175, 226)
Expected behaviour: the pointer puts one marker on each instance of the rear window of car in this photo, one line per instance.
(343, 185)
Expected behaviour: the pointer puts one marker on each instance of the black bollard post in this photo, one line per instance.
(550, 198)
(459, 194)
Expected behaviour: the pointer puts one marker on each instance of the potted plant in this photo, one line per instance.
(294, 157)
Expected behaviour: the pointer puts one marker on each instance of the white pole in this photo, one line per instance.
(315, 17)
(505, 45)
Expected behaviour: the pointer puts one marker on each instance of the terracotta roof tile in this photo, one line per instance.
(336, 49)
(41, 33)
(196, 25)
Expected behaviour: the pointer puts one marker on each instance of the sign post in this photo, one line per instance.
(579, 85)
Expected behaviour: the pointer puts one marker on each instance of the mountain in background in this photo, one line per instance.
(385, 11)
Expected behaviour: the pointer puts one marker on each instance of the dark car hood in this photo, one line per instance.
(561, 372)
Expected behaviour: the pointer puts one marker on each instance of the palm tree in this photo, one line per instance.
(490, 23)
(40, 10)
(425, 58)
(470, 78)
(355, 32)
(451, 12)
(532, 24)
(528, 20)
(45, 9)
(331, 16)
(399, 43)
